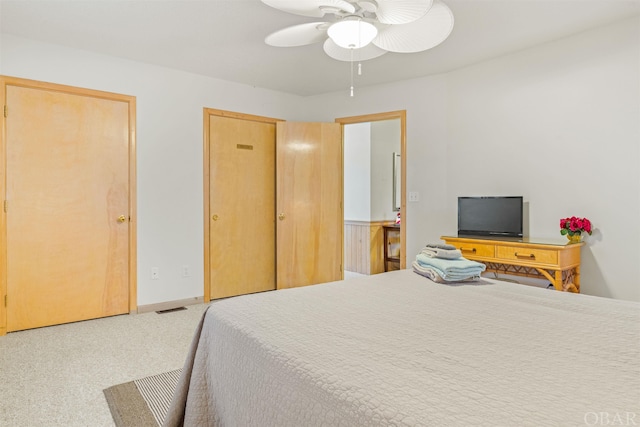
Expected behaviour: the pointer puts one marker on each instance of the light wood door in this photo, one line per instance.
(241, 206)
(67, 185)
(309, 203)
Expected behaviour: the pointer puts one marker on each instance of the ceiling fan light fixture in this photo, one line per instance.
(352, 33)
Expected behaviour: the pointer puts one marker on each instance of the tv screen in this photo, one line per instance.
(490, 216)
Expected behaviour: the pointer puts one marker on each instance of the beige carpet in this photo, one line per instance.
(56, 376)
(142, 402)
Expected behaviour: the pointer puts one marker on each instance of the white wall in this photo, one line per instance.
(357, 172)
(169, 147)
(558, 123)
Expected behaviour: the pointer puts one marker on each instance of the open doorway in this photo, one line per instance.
(374, 151)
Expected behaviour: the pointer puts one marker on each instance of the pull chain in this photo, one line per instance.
(351, 92)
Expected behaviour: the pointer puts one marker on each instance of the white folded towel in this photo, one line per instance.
(439, 246)
(435, 275)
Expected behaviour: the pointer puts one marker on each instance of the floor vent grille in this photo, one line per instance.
(171, 310)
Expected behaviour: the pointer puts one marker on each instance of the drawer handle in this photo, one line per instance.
(468, 250)
(532, 256)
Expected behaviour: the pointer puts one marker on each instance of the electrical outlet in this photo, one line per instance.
(185, 271)
(414, 196)
(155, 273)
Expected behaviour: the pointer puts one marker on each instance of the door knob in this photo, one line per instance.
(281, 216)
(215, 217)
(122, 218)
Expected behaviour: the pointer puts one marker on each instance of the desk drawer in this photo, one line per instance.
(527, 254)
(470, 249)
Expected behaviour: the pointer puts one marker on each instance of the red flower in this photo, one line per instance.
(575, 225)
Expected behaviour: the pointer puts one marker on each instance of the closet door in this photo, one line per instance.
(241, 211)
(309, 203)
(67, 204)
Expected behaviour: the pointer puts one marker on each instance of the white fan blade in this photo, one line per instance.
(341, 54)
(313, 8)
(298, 35)
(401, 11)
(425, 33)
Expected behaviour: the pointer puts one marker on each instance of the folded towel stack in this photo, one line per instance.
(444, 263)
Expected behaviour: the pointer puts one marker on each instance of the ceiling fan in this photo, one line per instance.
(358, 30)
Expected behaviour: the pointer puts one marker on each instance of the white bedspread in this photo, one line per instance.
(398, 349)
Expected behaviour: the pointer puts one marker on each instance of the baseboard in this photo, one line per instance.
(168, 305)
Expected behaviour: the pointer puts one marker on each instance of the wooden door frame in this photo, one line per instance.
(206, 181)
(34, 84)
(376, 117)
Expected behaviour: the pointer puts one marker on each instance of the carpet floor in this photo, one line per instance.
(142, 402)
(56, 376)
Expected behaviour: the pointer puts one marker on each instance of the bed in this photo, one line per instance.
(396, 349)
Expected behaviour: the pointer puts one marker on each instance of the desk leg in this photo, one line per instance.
(557, 283)
(385, 243)
(571, 282)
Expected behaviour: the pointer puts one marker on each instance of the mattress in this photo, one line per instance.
(397, 349)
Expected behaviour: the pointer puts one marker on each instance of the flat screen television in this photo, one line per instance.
(498, 216)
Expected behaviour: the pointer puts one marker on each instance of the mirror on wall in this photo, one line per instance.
(396, 190)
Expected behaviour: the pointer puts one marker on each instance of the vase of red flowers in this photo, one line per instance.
(574, 227)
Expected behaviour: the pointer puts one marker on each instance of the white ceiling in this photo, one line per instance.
(225, 38)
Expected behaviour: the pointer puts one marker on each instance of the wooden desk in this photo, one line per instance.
(387, 259)
(556, 261)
